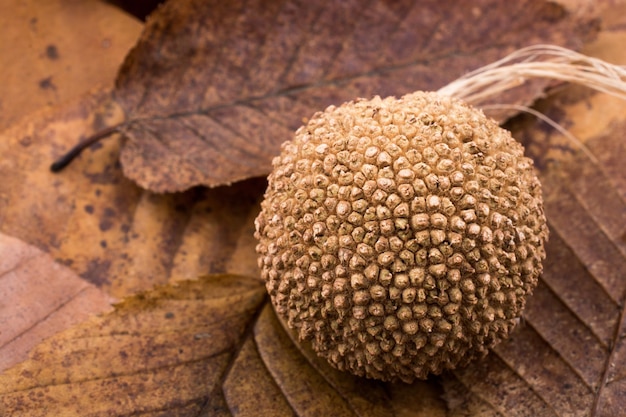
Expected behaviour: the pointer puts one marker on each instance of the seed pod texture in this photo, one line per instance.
(401, 236)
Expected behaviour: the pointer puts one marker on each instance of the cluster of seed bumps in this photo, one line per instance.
(401, 236)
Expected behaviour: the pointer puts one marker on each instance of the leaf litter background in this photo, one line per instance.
(212, 346)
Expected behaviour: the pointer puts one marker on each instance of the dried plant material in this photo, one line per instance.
(327, 392)
(318, 212)
(63, 299)
(187, 349)
(105, 228)
(57, 50)
(538, 61)
(249, 388)
(401, 237)
(159, 352)
(210, 100)
(417, 399)
(111, 233)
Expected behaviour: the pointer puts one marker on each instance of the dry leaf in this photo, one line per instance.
(111, 233)
(117, 238)
(159, 353)
(212, 88)
(56, 50)
(63, 299)
(309, 384)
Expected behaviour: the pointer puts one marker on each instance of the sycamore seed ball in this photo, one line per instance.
(401, 236)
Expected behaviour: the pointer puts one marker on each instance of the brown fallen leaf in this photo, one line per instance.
(308, 383)
(63, 299)
(56, 50)
(159, 353)
(110, 232)
(212, 89)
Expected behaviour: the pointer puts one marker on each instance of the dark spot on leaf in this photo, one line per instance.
(97, 272)
(105, 224)
(103, 244)
(52, 52)
(169, 315)
(97, 192)
(123, 354)
(107, 219)
(89, 208)
(47, 84)
(66, 262)
(26, 141)
(554, 12)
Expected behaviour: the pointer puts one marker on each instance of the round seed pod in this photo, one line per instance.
(401, 237)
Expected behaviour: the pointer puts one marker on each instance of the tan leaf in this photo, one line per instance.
(309, 385)
(569, 357)
(63, 299)
(110, 232)
(213, 88)
(56, 50)
(159, 353)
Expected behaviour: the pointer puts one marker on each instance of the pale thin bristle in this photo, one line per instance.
(538, 61)
(547, 120)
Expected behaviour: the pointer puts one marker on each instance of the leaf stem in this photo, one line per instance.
(66, 159)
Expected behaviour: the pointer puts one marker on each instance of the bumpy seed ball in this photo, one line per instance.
(401, 236)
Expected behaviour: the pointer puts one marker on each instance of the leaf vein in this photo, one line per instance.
(515, 370)
(607, 366)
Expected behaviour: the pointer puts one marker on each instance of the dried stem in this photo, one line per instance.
(548, 121)
(65, 160)
(538, 61)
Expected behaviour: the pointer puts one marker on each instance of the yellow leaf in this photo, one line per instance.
(163, 351)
